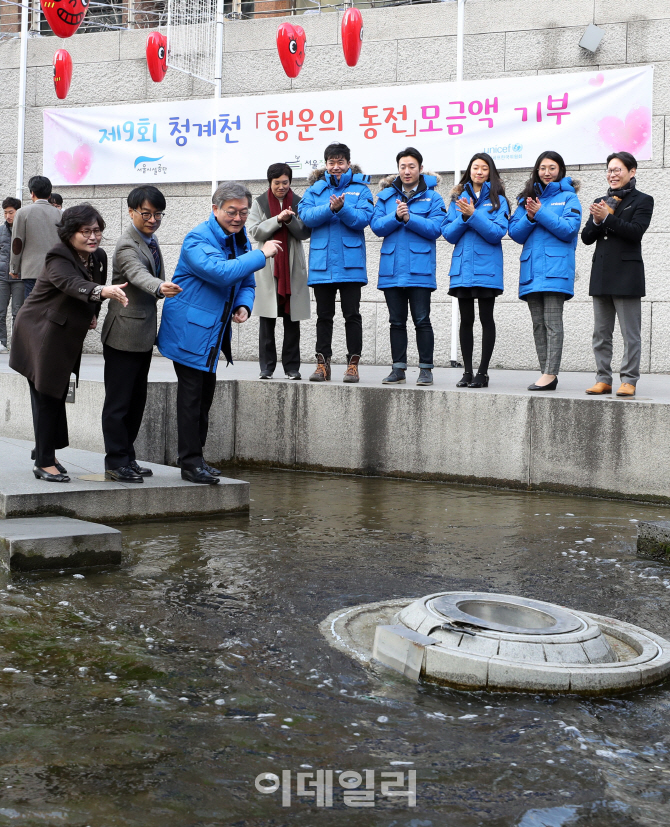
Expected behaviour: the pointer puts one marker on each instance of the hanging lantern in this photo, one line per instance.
(157, 56)
(62, 73)
(64, 16)
(291, 48)
(352, 35)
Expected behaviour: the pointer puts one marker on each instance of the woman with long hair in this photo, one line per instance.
(476, 223)
(546, 222)
(52, 325)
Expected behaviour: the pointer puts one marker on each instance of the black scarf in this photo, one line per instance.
(614, 197)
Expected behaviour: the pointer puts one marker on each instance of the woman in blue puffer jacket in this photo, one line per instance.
(475, 223)
(547, 222)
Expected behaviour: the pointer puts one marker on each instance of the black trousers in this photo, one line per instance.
(50, 425)
(267, 348)
(195, 393)
(350, 299)
(126, 377)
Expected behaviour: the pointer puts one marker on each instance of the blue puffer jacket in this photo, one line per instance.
(337, 245)
(195, 324)
(548, 255)
(408, 252)
(477, 260)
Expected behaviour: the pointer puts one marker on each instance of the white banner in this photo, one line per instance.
(584, 116)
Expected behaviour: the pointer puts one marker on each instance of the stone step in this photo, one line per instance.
(33, 543)
(89, 496)
(653, 540)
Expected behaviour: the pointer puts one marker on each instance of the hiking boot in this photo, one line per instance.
(322, 372)
(396, 377)
(351, 373)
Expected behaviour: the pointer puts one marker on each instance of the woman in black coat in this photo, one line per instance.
(51, 326)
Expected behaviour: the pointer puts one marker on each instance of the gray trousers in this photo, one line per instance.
(546, 311)
(15, 290)
(629, 311)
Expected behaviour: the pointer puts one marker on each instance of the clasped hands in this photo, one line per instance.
(532, 207)
(336, 202)
(465, 207)
(600, 211)
(402, 210)
(285, 216)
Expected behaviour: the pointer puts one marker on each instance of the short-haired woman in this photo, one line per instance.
(281, 286)
(51, 327)
(475, 224)
(546, 222)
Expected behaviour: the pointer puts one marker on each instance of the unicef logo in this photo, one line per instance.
(517, 147)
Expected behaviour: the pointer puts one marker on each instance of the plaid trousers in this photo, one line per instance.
(546, 311)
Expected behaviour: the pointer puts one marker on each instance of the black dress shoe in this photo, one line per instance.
(124, 474)
(199, 475)
(481, 380)
(213, 471)
(465, 381)
(41, 474)
(550, 387)
(138, 469)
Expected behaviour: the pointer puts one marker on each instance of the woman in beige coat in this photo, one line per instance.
(281, 286)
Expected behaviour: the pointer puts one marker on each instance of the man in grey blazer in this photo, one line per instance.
(128, 336)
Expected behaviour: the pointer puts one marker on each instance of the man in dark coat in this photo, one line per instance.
(617, 223)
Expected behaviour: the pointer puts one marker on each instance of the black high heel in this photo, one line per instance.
(465, 381)
(481, 380)
(550, 387)
(41, 474)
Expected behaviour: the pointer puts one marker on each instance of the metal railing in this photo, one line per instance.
(106, 15)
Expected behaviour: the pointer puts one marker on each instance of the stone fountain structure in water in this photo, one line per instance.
(498, 642)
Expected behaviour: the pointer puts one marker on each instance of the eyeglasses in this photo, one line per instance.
(147, 216)
(233, 213)
(88, 233)
(616, 171)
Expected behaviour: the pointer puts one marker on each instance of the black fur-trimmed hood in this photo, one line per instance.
(388, 180)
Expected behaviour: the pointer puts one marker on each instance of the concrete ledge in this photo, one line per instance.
(653, 540)
(88, 496)
(34, 543)
(500, 436)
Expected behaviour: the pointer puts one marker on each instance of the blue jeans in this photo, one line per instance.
(28, 285)
(418, 299)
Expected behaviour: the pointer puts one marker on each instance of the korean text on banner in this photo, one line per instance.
(584, 116)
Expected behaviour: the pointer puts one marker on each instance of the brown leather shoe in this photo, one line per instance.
(351, 373)
(322, 372)
(626, 390)
(599, 389)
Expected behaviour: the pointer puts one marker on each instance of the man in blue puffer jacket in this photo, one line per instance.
(408, 216)
(216, 273)
(337, 207)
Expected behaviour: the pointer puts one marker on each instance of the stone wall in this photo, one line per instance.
(407, 44)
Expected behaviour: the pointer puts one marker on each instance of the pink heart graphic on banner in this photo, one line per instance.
(74, 168)
(598, 80)
(630, 136)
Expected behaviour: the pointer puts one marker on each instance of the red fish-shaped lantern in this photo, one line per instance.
(352, 35)
(64, 16)
(157, 56)
(291, 48)
(62, 73)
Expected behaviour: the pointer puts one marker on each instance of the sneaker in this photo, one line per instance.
(351, 373)
(396, 377)
(266, 374)
(425, 377)
(294, 374)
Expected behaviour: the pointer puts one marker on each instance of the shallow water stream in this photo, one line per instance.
(153, 694)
